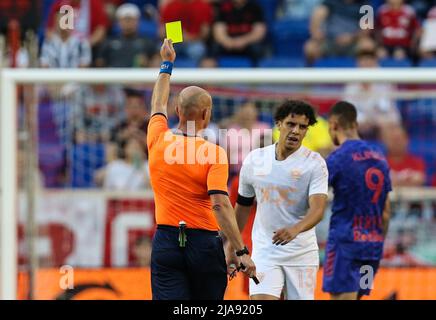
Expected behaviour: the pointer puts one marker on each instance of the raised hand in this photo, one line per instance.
(167, 51)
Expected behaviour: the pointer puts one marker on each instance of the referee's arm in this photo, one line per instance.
(161, 91)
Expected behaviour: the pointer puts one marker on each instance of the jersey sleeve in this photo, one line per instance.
(245, 189)
(218, 174)
(157, 125)
(332, 167)
(319, 178)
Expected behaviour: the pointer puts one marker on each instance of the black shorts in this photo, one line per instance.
(195, 272)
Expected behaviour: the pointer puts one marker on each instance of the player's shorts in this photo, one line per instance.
(344, 274)
(296, 282)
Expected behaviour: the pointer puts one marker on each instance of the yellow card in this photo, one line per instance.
(174, 31)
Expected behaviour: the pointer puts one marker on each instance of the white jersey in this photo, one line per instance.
(282, 190)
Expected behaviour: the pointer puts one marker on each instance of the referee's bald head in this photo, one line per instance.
(194, 104)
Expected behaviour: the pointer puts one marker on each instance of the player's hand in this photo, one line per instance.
(285, 235)
(250, 267)
(167, 51)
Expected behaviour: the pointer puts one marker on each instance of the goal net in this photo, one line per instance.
(77, 211)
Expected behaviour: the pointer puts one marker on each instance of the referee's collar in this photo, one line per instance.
(177, 132)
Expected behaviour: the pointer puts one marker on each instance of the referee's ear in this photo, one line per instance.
(205, 114)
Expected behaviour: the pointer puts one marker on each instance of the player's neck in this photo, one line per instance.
(348, 135)
(282, 152)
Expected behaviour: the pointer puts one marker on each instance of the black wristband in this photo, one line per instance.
(241, 252)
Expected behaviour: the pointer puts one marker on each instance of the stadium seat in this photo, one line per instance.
(419, 117)
(84, 159)
(281, 62)
(395, 63)
(376, 4)
(146, 28)
(340, 62)
(186, 63)
(269, 10)
(289, 36)
(425, 148)
(428, 63)
(234, 62)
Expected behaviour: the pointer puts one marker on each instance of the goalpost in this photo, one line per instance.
(12, 78)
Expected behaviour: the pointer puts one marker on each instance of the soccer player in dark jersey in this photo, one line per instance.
(359, 176)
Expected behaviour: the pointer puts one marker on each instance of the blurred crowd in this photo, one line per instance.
(94, 135)
(104, 127)
(118, 33)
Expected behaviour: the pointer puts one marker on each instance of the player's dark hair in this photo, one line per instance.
(297, 107)
(346, 113)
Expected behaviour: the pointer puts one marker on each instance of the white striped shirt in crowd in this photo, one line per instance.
(72, 53)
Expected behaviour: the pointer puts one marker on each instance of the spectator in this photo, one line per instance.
(196, 17)
(141, 252)
(421, 7)
(90, 20)
(208, 62)
(297, 9)
(239, 29)
(129, 171)
(375, 108)
(428, 40)
(25, 12)
(135, 123)
(398, 29)
(63, 49)
(407, 170)
(334, 29)
(244, 134)
(400, 253)
(97, 109)
(127, 49)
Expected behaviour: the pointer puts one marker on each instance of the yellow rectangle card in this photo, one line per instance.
(174, 31)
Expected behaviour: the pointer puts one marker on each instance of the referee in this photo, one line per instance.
(189, 179)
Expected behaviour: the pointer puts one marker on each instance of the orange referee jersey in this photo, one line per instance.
(184, 171)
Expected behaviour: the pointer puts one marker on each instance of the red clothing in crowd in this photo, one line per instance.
(409, 166)
(239, 20)
(193, 14)
(24, 11)
(15, 9)
(96, 11)
(397, 27)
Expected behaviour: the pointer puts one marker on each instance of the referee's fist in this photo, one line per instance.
(167, 51)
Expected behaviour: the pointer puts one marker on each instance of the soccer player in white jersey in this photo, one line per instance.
(290, 184)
